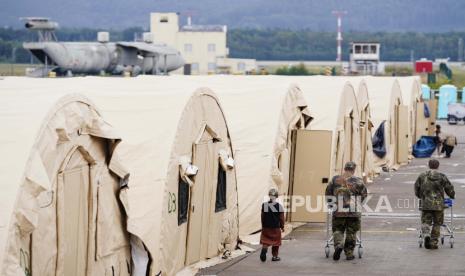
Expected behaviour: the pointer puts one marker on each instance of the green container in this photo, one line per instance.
(431, 78)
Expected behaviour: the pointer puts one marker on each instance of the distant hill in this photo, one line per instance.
(364, 15)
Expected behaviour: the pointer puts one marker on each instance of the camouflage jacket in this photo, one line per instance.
(348, 193)
(430, 187)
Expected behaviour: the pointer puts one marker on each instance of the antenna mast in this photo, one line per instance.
(339, 15)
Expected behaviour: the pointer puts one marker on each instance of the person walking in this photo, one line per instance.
(449, 142)
(272, 217)
(348, 191)
(430, 187)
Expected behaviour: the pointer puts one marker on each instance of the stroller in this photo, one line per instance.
(447, 228)
(330, 237)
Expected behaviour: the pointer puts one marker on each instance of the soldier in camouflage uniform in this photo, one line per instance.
(429, 188)
(347, 191)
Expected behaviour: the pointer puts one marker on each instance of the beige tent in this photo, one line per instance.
(366, 126)
(261, 111)
(411, 96)
(59, 207)
(387, 107)
(182, 196)
(169, 129)
(332, 139)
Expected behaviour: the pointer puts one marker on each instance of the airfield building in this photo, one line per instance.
(203, 47)
(365, 58)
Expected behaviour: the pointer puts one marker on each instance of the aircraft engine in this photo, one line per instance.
(41, 25)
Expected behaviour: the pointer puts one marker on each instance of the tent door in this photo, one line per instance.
(200, 206)
(421, 122)
(75, 221)
(433, 105)
(402, 134)
(311, 157)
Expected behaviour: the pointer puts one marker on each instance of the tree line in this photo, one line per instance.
(275, 44)
(272, 44)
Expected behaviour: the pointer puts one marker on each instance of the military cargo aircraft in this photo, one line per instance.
(100, 57)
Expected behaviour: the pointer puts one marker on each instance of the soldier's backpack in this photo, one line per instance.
(450, 141)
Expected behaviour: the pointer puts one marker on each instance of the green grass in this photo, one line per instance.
(14, 69)
(458, 75)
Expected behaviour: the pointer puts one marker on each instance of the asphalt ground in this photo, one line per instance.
(389, 237)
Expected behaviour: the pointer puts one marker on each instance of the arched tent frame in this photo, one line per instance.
(207, 141)
(432, 103)
(46, 133)
(261, 111)
(163, 123)
(333, 136)
(387, 106)
(412, 97)
(366, 126)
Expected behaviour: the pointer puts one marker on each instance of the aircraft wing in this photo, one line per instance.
(148, 49)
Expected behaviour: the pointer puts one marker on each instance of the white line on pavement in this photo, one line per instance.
(405, 215)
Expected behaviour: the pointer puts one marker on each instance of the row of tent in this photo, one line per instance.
(147, 175)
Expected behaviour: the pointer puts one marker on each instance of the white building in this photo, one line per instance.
(203, 47)
(365, 58)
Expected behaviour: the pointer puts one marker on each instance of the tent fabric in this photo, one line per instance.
(379, 144)
(331, 100)
(161, 121)
(41, 127)
(385, 94)
(425, 147)
(261, 112)
(363, 102)
(412, 96)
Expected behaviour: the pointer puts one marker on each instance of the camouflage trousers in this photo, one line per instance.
(434, 219)
(350, 226)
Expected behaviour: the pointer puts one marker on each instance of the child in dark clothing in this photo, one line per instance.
(272, 225)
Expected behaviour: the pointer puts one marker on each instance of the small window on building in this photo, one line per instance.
(373, 49)
(195, 67)
(164, 19)
(211, 47)
(211, 66)
(241, 66)
(183, 201)
(220, 203)
(188, 47)
(365, 49)
(358, 49)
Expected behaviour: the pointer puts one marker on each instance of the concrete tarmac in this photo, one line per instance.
(389, 237)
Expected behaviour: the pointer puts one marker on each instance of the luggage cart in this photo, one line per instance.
(330, 237)
(447, 228)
